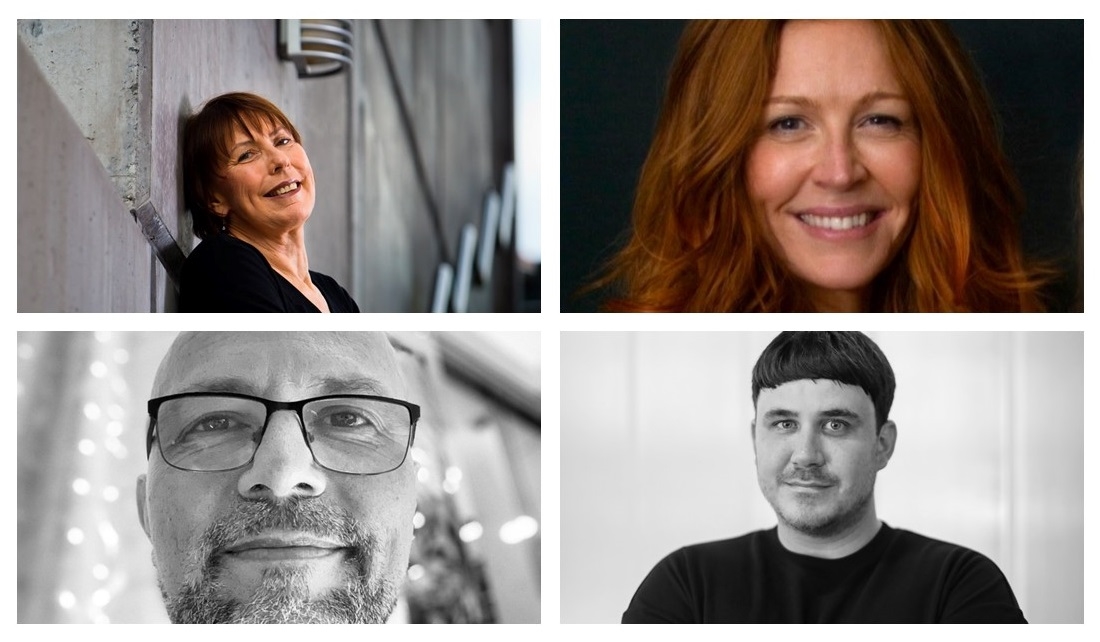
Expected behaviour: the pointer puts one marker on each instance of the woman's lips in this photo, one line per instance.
(838, 222)
(850, 223)
(285, 189)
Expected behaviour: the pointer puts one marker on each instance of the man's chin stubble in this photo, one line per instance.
(367, 595)
(826, 525)
(283, 597)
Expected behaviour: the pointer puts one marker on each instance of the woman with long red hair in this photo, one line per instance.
(810, 166)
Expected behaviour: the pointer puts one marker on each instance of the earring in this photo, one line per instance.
(223, 224)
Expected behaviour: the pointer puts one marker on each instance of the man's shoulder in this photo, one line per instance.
(699, 582)
(946, 559)
(930, 547)
(731, 548)
(974, 587)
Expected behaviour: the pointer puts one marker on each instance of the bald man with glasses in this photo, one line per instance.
(279, 486)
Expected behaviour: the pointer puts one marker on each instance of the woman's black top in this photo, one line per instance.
(225, 274)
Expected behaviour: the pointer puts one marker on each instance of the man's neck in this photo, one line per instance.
(834, 546)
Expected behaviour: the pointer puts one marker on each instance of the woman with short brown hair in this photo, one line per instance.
(250, 189)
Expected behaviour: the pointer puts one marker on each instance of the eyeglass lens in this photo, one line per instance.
(346, 434)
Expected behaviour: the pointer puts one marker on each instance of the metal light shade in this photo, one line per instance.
(316, 47)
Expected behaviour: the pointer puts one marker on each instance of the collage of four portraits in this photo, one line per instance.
(810, 467)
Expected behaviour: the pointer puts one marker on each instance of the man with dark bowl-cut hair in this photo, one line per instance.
(821, 434)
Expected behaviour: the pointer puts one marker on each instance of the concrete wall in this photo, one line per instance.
(100, 71)
(129, 84)
(79, 249)
(451, 111)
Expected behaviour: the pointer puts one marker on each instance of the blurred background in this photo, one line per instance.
(656, 442)
(423, 136)
(83, 557)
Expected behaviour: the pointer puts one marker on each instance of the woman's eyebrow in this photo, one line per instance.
(242, 143)
(800, 101)
(280, 130)
(804, 101)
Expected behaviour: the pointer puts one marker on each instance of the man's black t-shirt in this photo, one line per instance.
(898, 577)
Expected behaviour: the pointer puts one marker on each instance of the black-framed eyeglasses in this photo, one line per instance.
(219, 431)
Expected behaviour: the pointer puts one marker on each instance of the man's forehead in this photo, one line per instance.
(814, 394)
(280, 364)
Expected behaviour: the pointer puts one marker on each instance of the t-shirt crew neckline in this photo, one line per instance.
(870, 550)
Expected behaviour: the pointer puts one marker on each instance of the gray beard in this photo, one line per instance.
(283, 595)
(283, 598)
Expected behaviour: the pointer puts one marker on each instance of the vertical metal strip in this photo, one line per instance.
(152, 280)
(160, 239)
(414, 148)
(356, 146)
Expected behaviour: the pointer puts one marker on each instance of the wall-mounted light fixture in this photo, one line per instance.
(316, 47)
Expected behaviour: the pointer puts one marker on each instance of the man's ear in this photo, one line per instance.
(884, 443)
(142, 504)
(752, 432)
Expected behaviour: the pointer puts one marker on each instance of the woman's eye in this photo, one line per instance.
(245, 156)
(786, 124)
(284, 141)
(884, 121)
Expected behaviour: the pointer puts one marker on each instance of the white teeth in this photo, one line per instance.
(837, 222)
(286, 188)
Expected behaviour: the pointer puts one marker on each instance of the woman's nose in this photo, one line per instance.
(279, 160)
(838, 164)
